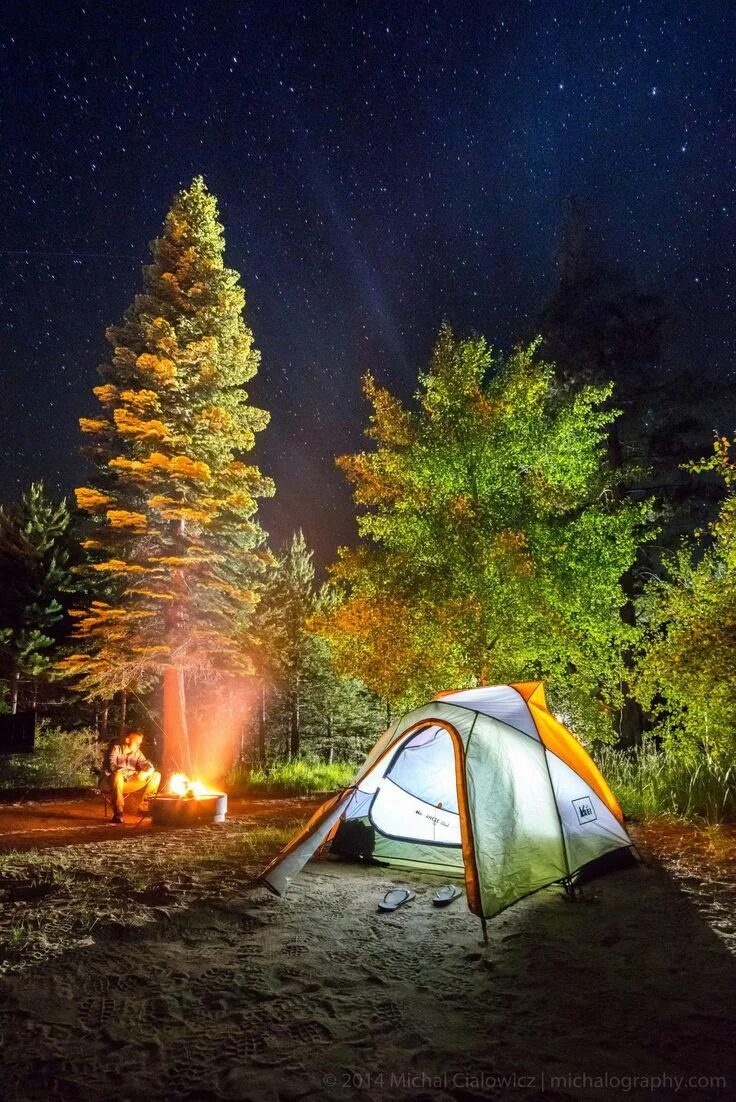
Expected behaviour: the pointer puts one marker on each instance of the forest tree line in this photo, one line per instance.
(558, 512)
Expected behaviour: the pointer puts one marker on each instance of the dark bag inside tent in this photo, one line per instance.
(354, 840)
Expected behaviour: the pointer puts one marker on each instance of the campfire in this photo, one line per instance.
(183, 786)
(186, 800)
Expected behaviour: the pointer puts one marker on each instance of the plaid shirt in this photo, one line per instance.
(130, 761)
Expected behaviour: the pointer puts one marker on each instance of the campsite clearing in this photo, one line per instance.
(212, 991)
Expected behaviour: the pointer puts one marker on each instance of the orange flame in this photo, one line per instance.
(181, 785)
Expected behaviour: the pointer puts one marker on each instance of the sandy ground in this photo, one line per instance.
(225, 992)
(703, 862)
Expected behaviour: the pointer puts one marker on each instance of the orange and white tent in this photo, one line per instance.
(484, 784)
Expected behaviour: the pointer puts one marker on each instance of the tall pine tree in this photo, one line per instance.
(599, 326)
(288, 604)
(305, 704)
(173, 501)
(34, 567)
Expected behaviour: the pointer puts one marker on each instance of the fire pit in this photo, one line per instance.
(187, 802)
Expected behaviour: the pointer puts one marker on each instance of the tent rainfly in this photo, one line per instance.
(482, 783)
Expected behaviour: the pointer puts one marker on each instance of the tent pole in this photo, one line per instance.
(484, 929)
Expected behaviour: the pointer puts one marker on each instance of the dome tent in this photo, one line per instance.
(483, 783)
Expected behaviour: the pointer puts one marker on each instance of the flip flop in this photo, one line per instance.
(394, 898)
(446, 895)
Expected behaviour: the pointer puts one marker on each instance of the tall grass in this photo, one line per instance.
(649, 783)
(290, 778)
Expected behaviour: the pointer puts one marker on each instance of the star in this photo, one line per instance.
(375, 175)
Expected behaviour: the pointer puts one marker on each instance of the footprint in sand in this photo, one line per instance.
(385, 1015)
(244, 1044)
(295, 950)
(310, 1033)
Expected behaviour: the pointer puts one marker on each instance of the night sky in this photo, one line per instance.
(379, 166)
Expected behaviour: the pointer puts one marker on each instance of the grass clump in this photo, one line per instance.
(302, 777)
(651, 783)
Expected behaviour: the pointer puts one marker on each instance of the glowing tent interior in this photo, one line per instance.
(482, 783)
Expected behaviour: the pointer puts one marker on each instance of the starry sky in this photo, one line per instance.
(379, 166)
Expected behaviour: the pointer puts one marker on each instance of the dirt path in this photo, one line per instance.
(243, 996)
(63, 822)
(702, 860)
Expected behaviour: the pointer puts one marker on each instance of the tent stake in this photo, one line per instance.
(485, 929)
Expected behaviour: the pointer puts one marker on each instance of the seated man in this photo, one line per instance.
(127, 770)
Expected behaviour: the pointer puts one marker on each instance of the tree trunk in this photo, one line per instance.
(235, 732)
(123, 711)
(176, 755)
(631, 716)
(631, 720)
(14, 688)
(388, 712)
(261, 744)
(102, 723)
(294, 730)
(330, 740)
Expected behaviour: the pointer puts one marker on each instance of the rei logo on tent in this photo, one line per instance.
(584, 810)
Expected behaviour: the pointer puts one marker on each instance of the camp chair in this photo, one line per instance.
(104, 789)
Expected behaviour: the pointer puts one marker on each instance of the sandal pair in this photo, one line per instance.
(397, 897)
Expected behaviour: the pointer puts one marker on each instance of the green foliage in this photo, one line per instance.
(173, 503)
(287, 603)
(493, 548)
(308, 702)
(341, 717)
(61, 759)
(291, 778)
(34, 567)
(649, 783)
(687, 666)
